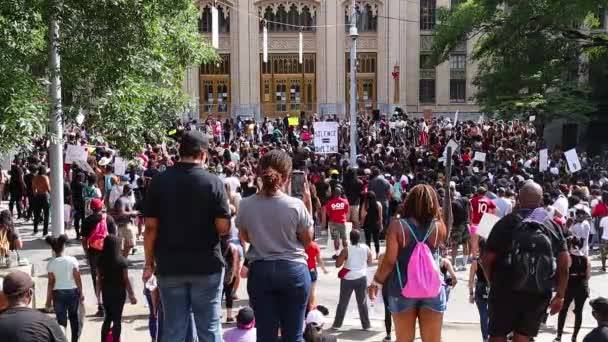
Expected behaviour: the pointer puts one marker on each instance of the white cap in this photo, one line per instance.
(315, 317)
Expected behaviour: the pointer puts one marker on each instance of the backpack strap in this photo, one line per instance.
(412, 232)
(432, 227)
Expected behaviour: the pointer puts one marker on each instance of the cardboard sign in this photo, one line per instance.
(75, 153)
(452, 143)
(326, 137)
(293, 121)
(486, 224)
(480, 157)
(543, 160)
(120, 166)
(428, 115)
(574, 164)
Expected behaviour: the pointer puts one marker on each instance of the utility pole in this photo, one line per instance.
(353, 85)
(448, 219)
(56, 132)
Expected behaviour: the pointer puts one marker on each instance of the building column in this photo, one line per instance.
(331, 47)
(411, 67)
(244, 61)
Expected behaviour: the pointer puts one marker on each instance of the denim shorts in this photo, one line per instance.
(401, 304)
(313, 275)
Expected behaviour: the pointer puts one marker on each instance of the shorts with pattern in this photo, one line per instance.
(460, 234)
(126, 233)
(337, 231)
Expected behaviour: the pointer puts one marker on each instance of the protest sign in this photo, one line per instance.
(75, 153)
(480, 157)
(455, 118)
(428, 115)
(326, 137)
(293, 121)
(486, 224)
(120, 166)
(543, 160)
(454, 145)
(532, 118)
(574, 164)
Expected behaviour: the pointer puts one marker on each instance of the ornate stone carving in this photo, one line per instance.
(367, 43)
(289, 44)
(287, 4)
(206, 3)
(427, 74)
(458, 74)
(426, 43)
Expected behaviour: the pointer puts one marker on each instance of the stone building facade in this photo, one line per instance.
(392, 60)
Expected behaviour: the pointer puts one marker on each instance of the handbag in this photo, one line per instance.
(343, 272)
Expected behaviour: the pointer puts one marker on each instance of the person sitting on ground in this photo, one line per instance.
(245, 327)
(600, 313)
(19, 322)
(10, 240)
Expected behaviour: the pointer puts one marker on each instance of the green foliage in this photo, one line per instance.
(122, 62)
(529, 53)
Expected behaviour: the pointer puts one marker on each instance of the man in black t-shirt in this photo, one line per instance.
(600, 313)
(460, 235)
(186, 212)
(510, 310)
(19, 323)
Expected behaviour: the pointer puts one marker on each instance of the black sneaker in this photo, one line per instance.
(334, 257)
(99, 313)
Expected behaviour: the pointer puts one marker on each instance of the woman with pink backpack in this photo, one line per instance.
(410, 269)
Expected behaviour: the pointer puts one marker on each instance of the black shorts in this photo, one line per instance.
(521, 313)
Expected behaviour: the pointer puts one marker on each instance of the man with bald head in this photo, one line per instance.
(514, 240)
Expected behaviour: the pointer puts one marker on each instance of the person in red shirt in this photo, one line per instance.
(314, 258)
(337, 209)
(480, 205)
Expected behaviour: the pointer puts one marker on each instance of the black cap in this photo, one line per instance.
(194, 140)
(17, 283)
(600, 305)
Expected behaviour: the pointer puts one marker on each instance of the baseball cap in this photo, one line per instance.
(17, 283)
(600, 305)
(245, 319)
(334, 172)
(316, 318)
(194, 140)
(96, 204)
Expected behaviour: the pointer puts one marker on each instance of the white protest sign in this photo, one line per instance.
(481, 119)
(480, 157)
(453, 144)
(532, 118)
(326, 137)
(574, 164)
(455, 118)
(486, 224)
(75, 153)
(554, 171)
(543, 160)
(120, 166)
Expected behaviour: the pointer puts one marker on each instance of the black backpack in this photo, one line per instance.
(532, 260)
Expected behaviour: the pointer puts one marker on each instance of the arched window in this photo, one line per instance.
(223, 20)
(292, 19)
(367, 21)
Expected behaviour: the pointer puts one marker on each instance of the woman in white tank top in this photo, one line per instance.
(355, 259)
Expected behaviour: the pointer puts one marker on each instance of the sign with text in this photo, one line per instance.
(454, 145)
(543, 160)
(293, 121)
(574, 164)
(75, 153)
(120, 166)
(326, 137)
(480, 157)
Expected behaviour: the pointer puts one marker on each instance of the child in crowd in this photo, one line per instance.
(245, 327)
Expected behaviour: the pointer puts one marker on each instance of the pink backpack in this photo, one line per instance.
(423, 277)
(99, 234)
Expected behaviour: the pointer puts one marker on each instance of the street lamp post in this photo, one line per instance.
(56, 131)
(353, 85)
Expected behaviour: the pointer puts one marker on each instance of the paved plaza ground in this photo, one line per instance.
(461, 321)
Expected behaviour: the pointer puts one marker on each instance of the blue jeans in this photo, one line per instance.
(65, 304)
(484, 316)
(184, 296)
(278, 293)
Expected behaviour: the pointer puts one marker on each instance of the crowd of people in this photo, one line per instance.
(221, 202)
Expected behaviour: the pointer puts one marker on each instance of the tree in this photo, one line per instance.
(122, 64)
(530, 54)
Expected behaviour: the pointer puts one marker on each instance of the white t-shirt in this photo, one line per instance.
(356, 262)
(63, 270)
(604, 225)
(582, 230)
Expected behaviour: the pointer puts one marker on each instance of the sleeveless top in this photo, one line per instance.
(403, 257)
(481, 277)
(356, 262)
(578, 272)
